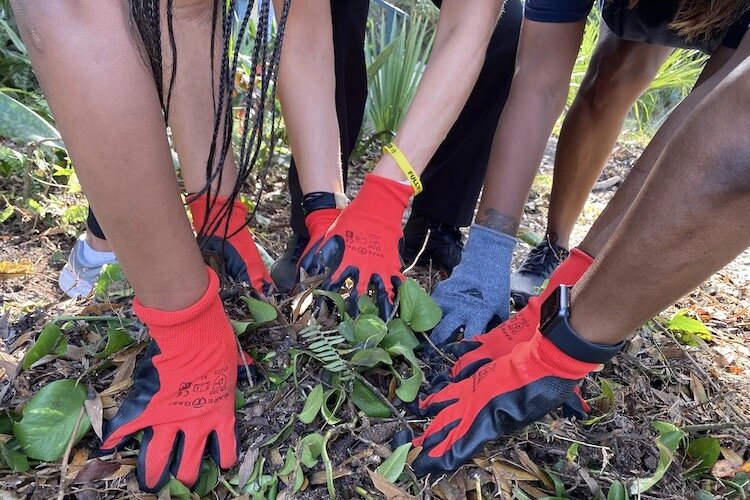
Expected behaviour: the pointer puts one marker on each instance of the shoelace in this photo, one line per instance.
(543, 258)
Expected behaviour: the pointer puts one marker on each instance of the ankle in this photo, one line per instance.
(98, 244)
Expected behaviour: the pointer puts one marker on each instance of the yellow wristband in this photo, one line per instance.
(405, 166)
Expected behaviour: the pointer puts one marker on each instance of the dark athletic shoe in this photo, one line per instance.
(444, 247)
(535, 269)
(285, 270)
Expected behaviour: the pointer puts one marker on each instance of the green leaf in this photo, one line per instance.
(6, 424)
(208, 479)
(14, 459)
(408, 388)
(366, 305)
(346, 329)
(312, 405)
(289, 463)
(364, 399)
(239, 399)
(329, 410)
(6, 213)
(49, 419)
(392, 468)
(311, 447)
(177, 490)
(399, 333)
(369, 330)
(262, 313)
(368, 358)
(667, 442)
(617, 491)
(117, 340)
(703, 495)
(686, 326)
(110, 278)
(22, 124)
(417, 308)
(51, 338)
(705, 450)
(337, 299)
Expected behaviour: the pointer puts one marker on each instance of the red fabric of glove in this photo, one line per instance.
(363, 243)
(233, 242)
(318, 223)
(183, 394)
(481, 349)
(500, 398)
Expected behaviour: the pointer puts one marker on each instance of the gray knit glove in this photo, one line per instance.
(478, 291)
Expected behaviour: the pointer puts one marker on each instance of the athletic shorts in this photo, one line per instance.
(648, 22)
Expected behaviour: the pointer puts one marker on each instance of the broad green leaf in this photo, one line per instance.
(408, 388)
(686, 326)
(417, 308)
(111, 278)
(329, 410)
(364, 399)
(667, 442)
(337, 299)
(49, 419)
(311, 446)
(705, 450)
(346, 329)
(22, 124)
(208, 479)
(369, 330)
(703, 495)
(177, 490)
(366, 305)
(312, 405)
(239, 399)
(6, 213)
(617, 491)
(117, 340)
(14, 459)
(50, 339)
(289, 463)
(262, 313)
(393, 466)
(6, 424)
(368, 358)
(399, 333)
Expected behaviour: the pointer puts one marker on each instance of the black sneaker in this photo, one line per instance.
(535, 269)
(285, 270)
(443, 248)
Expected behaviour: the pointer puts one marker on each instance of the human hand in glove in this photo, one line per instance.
(478, 291)
(363, 243)
(183, 395)
(227, 235)
(503, 397)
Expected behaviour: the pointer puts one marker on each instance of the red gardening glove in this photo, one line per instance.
(234, 243)
(481, 349)
(363, 243)
(318, 223)
(183, 395)
(502, 397)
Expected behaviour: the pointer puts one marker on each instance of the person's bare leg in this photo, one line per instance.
(307, 91)
(192, 108)
(114, 130)
(617, 75)
(684, 224)
(546, 54)
(607, 222)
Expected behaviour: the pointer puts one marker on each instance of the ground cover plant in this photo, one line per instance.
(669, 415)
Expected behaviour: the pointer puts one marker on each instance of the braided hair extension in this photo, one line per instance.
(147, 17)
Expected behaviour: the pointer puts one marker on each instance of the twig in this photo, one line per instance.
(715, 427)
(384, 399)
(362, 492)
(437, 349)
(64, 467)
(419, 254)
(228, 486)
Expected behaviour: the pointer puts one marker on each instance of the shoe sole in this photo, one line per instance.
(520, 299)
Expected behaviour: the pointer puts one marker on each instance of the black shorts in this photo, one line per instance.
(648, 22)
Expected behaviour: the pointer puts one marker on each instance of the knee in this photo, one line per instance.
(613, 81)
(551, 86)
(36, 20)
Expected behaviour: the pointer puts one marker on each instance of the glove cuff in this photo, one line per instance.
(189, 327)
(386, 194)
(486, 251)
(237, 214)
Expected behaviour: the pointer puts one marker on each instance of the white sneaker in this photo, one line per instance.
(78, 277)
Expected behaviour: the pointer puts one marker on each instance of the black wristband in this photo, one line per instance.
(317, 200)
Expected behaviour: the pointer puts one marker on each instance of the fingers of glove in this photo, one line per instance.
(115, 436)
(154, 457)
(448, 417)
(186, 465)
(384, 294)
(462, 347)
(308, 262)
(448, 330)
(576, 406)
(224, 444)
(447, 395)
(465, 368)
(330, 256)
